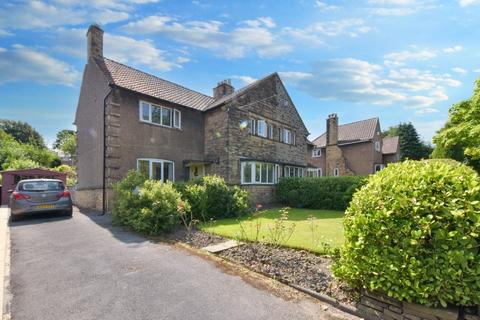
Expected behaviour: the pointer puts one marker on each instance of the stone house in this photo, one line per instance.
(128, 119)
(356, 148)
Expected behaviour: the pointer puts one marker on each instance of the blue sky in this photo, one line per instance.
(400, 60)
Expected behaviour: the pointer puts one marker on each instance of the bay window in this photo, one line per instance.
(158, 169)
(253, 172)
(291, 171)
(317, 172)
(163, 116)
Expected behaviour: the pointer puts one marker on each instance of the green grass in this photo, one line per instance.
(328, 228)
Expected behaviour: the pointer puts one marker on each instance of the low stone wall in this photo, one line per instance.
(377, 306)
(260, 194)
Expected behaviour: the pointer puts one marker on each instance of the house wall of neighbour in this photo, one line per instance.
(138, 139)
(390, 158)
(215, 133)
(360, 157)
(377, 155)
(317, 162)
(89, 123)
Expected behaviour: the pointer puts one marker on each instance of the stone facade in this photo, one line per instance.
(375, 306)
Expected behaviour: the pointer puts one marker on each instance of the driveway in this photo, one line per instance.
(83, 268)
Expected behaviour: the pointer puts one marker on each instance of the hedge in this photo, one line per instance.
(328, 193)
(413, 232)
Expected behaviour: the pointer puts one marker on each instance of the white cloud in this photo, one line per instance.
(399, 7)
(360, 81)
(459, 70)
(5, 33)
(21, 63)
(392, 12)
(251, 36)
(120, 48)
(453, 49)
(426, 111)
(324, 6)
(245, 79)
(466, 3)
(316, 33)
(476, 70)
(399, 58)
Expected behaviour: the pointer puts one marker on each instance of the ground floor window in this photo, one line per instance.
(379, 166)
(317, 172)
(254, 172)
(290, 171)
(336, 172)
(157, 169)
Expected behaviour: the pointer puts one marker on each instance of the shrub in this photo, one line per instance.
(412, 232)
(147, 206)
(211, 198)
(329, 193)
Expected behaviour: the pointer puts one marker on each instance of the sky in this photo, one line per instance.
(399, 60)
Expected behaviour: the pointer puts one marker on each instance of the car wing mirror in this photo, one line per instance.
(10, 191)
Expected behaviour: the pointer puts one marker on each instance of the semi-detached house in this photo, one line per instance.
(128, 119)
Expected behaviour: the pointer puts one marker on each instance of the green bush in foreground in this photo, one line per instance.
(328, 193)
(412, 232)
(147, 206)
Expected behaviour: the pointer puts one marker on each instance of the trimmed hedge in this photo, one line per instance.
(413, 232)
(328, 193)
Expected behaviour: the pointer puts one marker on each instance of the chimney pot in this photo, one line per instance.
(95, 41)
(332, 129)
(223, 88)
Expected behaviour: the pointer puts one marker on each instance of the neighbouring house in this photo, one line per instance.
(356, 148)
(10, 178)
(128, 119)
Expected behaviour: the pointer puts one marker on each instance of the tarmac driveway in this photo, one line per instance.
(83, 268)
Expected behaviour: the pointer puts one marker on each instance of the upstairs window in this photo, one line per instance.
(286, 136)
(377, 146)
(163, 116)
(317, 152)
(262, 128)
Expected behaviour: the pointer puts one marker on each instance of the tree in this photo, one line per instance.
(411, 147)
(22, 132)
(459, 138)
(61, 136)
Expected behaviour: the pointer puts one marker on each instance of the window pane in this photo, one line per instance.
(156, 114)
(258, 168)
(264, 172)
(145, 111)
(176, 119)
(157, 170)
(262, 128)
(167, 117)
(270, 173)
(167, 171)
(143, 168)
(247, 172)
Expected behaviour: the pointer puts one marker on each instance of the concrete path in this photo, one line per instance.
(83, 268)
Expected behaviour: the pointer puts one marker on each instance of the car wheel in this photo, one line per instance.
(13, 218)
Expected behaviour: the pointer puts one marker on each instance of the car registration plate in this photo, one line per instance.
(45, 206)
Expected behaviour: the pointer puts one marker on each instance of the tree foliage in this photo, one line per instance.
(62, 135)
(459, 138)
(68, 145)
(22, 132)
(411, 147)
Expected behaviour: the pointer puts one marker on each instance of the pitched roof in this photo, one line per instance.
(390, 145)
(359, 131)
(144, 83)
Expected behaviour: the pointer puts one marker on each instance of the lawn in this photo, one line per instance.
(327, 227)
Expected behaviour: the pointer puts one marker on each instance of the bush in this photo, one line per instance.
(71, 173)
(329, 193)
(412, 232)
(211, 198)
(147, 206)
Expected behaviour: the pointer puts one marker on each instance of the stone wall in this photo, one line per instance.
(378, 306)
(260, 194)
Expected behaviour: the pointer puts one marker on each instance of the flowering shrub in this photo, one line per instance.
(413, 232)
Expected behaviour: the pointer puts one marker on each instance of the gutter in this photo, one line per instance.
(104, 191)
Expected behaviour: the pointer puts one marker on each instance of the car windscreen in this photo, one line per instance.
(36, 186)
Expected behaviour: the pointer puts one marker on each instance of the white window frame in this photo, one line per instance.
(336, 172)
(287, 136)
(381, 166)
(253, 166)
(293, 171)
(316, 172)
(173, 112)
(150, 167)
(262, 128)
(316, 152)
(377, 146)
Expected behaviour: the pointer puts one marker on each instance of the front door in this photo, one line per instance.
(197, 171)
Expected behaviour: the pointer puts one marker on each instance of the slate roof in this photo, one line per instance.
(359, 131)
(390, 145)
(135, 80)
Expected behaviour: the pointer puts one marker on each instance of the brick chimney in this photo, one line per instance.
(223, 88)
(332, 129)
(95, 41)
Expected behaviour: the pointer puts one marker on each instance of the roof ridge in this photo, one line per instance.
(179, 85)
(374, 118)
